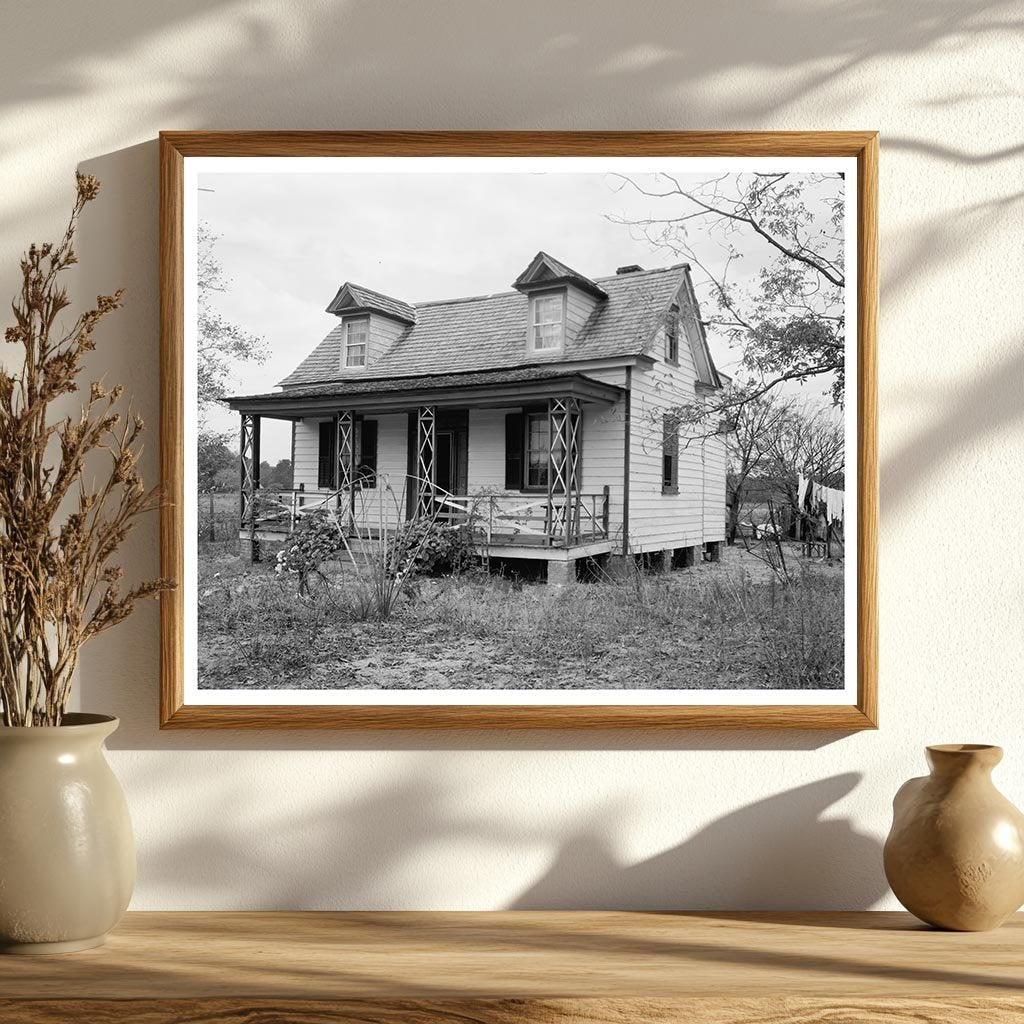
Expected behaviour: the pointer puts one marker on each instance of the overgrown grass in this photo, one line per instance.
(714, 629)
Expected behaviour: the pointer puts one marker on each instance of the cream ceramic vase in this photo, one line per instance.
(955, 855)
(67, 859)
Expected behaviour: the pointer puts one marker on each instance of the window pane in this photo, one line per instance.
(537, 470)
(547, 309)
(356, 337)
(547, 336)
(537, 450)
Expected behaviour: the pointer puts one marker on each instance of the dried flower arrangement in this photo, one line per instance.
(58, 534)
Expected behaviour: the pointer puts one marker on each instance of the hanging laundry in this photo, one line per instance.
(835, 501)
(811, 496)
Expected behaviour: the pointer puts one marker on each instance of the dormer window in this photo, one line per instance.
(548, 321)
(356, 337)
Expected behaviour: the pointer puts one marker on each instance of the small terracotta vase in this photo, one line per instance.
(955, 854)
(67, 859)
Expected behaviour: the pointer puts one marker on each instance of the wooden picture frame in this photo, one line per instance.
(177, 147)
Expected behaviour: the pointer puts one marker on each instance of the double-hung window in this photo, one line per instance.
(356, 336)
(548, 321)
(538, 443)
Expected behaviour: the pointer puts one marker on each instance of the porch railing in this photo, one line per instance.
(278, 511)
(497, 519)
(525, 519)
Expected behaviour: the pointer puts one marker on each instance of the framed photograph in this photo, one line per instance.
(519, 430)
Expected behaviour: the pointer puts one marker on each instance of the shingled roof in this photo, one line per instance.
(488, 332)
(430, 382)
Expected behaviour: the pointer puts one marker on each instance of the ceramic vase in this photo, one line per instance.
(67, 859)
(955, 854)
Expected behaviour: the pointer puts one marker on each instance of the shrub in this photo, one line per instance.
(316, 538)
(432, 548)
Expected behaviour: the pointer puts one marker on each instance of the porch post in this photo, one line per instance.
(563, 470)
(346, 474)
(426, 466)
(249, 466)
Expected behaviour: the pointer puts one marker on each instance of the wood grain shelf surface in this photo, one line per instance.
(524, 966)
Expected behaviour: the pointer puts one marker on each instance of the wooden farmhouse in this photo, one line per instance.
(550, 414)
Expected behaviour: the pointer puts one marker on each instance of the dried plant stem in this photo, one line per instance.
(58, 585)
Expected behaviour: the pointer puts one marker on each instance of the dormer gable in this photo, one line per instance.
(545, 271)
(560, 300)
(371, 322)
(354, 298)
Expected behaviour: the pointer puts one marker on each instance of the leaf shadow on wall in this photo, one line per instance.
(978, 408)
(780, 852)
(391, 847)
(221, 64)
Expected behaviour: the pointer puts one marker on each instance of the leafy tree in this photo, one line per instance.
(226, 479)
(220, 342)
(808, 443)
(278, 477)
(750, 443)
(788, 321)
(214, 455)
(773, 443)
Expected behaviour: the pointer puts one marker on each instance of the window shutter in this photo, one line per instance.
(368, 453)
(326, 460)
(514, 441)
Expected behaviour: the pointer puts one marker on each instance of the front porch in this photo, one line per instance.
(550, 516)
(499, 521)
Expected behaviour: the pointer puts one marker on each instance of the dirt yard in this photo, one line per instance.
(715, 626)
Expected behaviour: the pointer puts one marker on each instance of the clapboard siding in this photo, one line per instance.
(383, 334)
(391, 465)
(603, 449)
(307, 453)
(602, 452)
(661, 521)
(714, 488)
(486, 462)
(384, 505)
(578, 307)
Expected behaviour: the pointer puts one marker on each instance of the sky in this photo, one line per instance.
(287, 242)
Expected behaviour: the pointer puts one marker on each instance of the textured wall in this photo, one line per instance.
(495, 820)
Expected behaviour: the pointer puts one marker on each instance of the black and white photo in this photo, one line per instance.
(520, 430)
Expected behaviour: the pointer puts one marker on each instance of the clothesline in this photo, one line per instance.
(810, 495)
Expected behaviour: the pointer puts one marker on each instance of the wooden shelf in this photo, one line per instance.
(501, 968)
